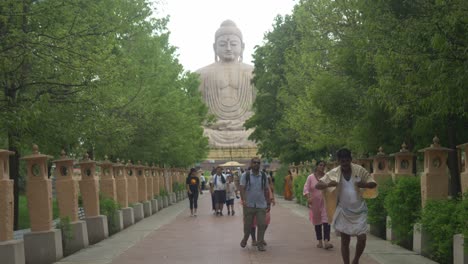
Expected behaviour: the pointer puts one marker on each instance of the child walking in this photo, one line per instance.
(231, 193)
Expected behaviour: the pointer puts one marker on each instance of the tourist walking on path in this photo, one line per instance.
(255, 194)
(193, 188)
(253, 230)
(231, 193)
(288, 186)
(350, 218)
(202, 179)
(218, 188)
(317, 210)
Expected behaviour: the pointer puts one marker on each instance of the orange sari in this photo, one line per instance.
(288, 186)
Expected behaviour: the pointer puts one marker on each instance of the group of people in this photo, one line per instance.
(349, 216)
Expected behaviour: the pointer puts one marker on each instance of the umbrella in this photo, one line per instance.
(232, 164)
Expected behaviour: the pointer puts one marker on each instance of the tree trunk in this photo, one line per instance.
(14, 175)
(455, 183)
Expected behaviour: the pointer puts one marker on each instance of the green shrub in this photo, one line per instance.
(298, 189)
(280, 174)
(377, 213)
(109, 208)
(442, 219)
(403, 204)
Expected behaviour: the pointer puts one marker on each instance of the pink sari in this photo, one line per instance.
(318, 211)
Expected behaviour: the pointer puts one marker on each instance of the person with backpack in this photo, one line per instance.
(193, 189)
(255, 198)
(218, 189)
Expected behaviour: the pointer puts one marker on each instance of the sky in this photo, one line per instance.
(193, 24)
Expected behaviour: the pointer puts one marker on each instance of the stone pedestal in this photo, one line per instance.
(118, 221)
(138, 212)
(460, 256)
(132, 183)
(147, 209)
(389, 235)
(128, 217)
(108, 186)
(12, 252)
(78, 239)
(97, 228)
(421, 240)
(121, 184)
(43, 247)
(160, 203)
(154, 206)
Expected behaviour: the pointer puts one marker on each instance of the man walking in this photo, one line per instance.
(254, 190)
(350, 217)
(218, 188)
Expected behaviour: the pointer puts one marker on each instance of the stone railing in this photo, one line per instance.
(140, 190)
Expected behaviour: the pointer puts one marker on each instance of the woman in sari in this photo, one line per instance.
(288, 186)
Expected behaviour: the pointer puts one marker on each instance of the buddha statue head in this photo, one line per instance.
(228, 46)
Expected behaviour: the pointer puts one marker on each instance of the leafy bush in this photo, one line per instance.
(298, 189)
(109, 208)
(377, 213)
(279, 178)
(442, 219)
(403, 204)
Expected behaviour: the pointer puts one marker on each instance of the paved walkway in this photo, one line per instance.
(172, 236)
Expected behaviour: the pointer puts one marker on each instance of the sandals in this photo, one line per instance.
(328, 246)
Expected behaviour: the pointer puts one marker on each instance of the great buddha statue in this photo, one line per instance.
(227, 90)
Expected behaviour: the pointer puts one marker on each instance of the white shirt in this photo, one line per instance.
(219, 186)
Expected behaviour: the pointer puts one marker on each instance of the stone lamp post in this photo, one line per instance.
(435, 178)
(43, 244)
(143, 190)
(150, 188)
(122, 194)
(133, 192)
(12, 251)
(403, 162)
(464, 172)
(67, 198)
(381, 166)
(366, 163)
(89, 187)
(109, 190)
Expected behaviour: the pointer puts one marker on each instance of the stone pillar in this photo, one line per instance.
(133, 192)
(365, 163)
(44, 244)
(12, 251)
(109, 190)
(460, 254)
(150, 188)
(143, 190)
(108, 186)
(435, 178)
(464, 171)
(67, 198)
(381, 167)
(122, 194)
(155, 175)
(403, 163)
(89, 187)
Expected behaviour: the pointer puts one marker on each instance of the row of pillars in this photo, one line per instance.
(133, 187)
(434, 178)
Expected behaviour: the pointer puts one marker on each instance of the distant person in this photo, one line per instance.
(218, 188)
(231, 193)
(317, 209)
(350, 218)
(193, 189)
(288, 187)
(202, 179)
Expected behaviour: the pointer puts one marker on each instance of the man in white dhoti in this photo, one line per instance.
(350, 218)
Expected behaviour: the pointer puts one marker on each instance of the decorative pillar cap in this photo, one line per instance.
(36, 154)
(435, 146)
(63, 158)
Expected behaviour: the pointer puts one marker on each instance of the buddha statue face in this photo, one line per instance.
(228, 48)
